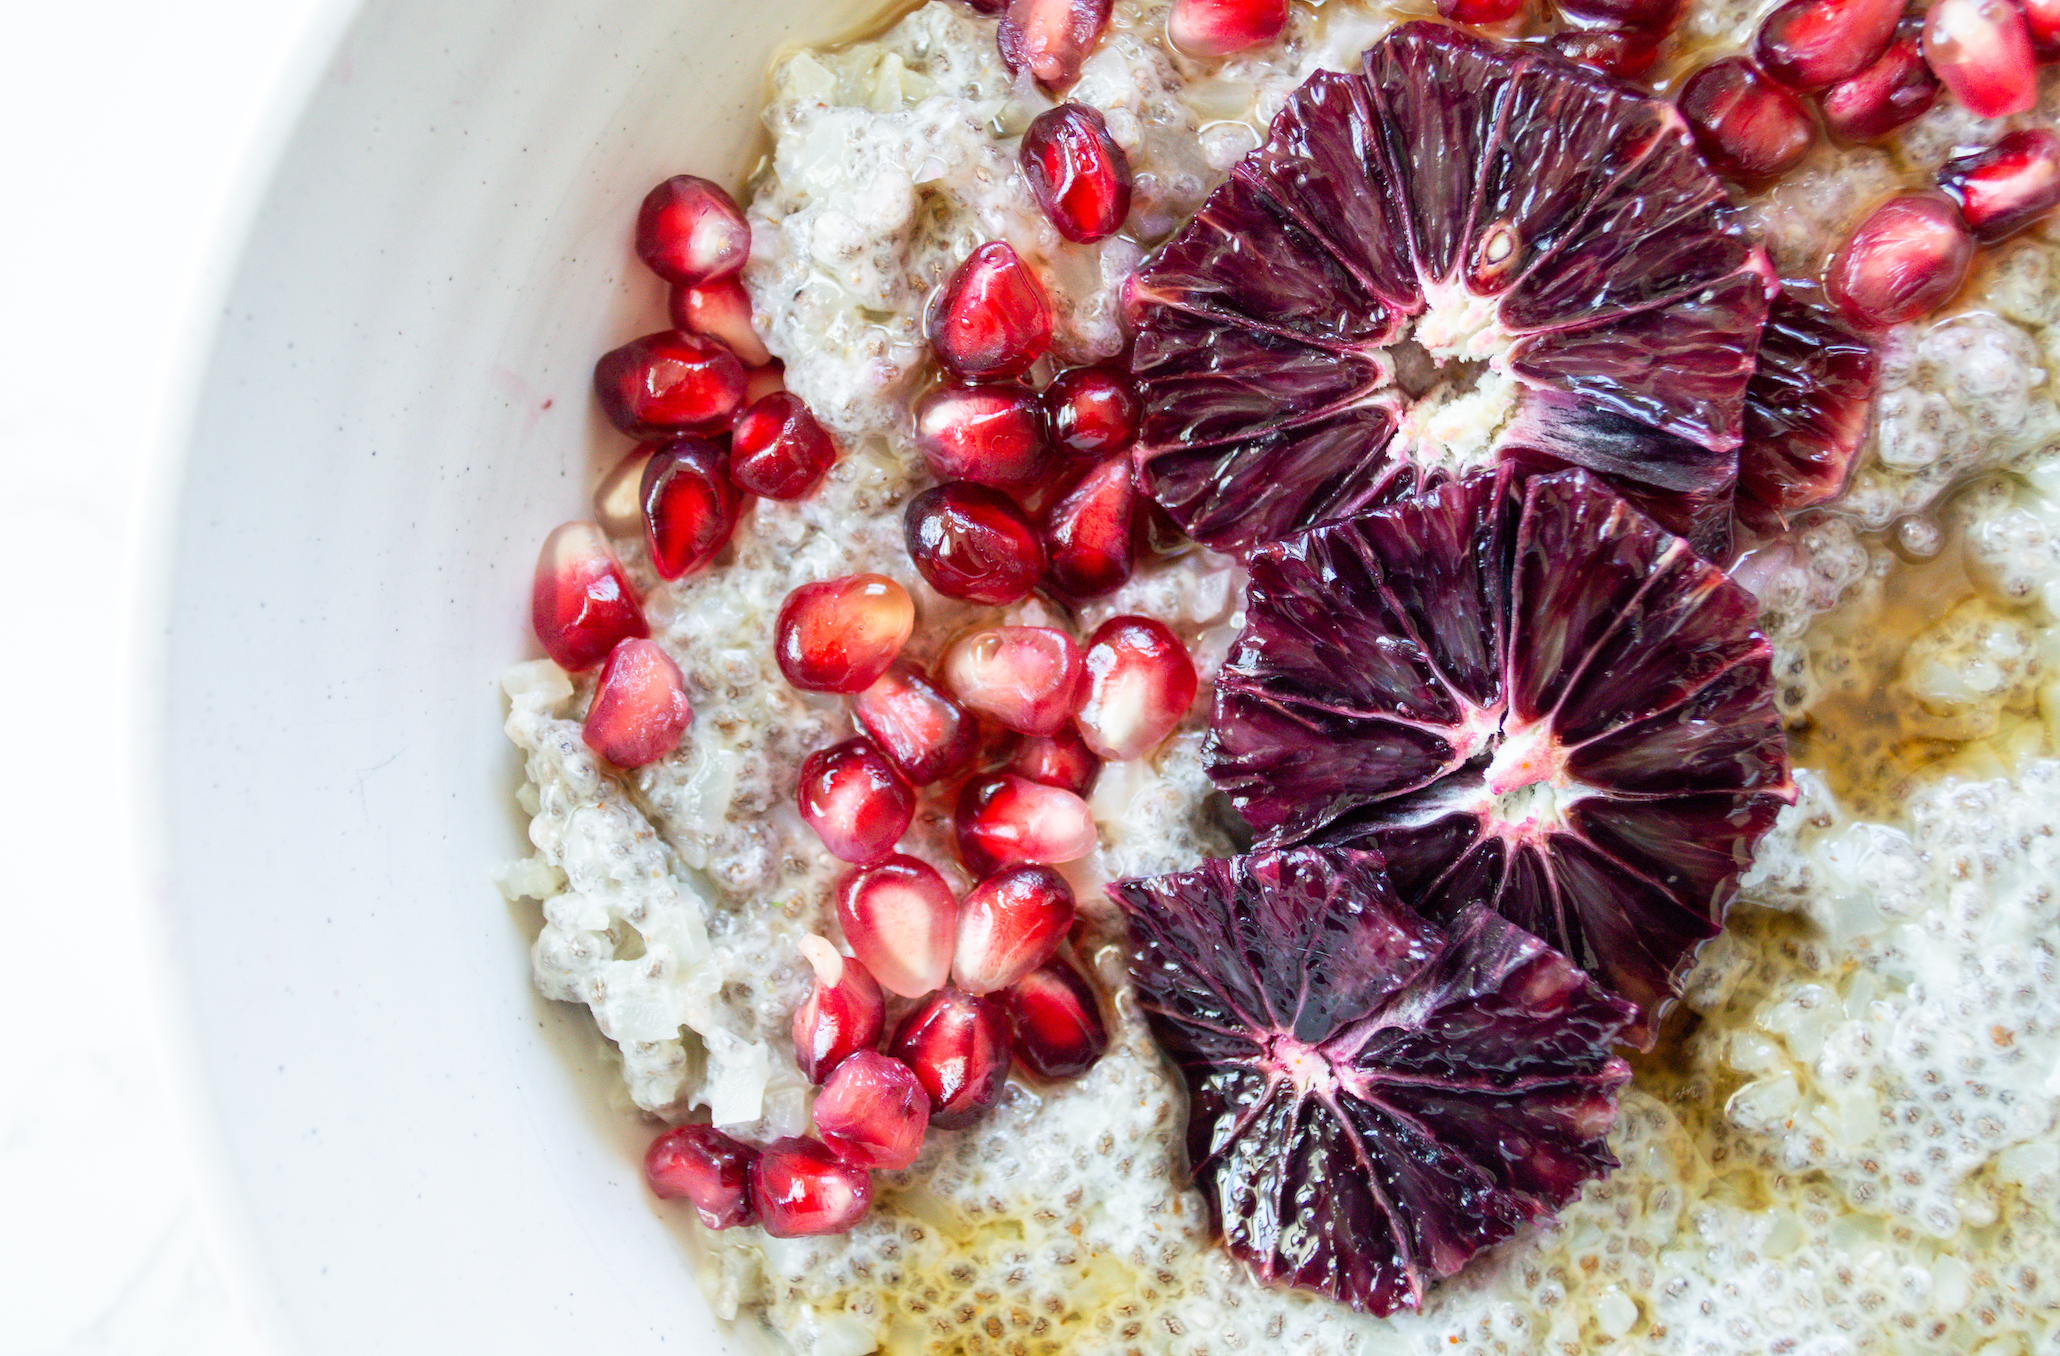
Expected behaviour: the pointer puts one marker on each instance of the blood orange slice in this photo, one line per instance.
(1806, 408)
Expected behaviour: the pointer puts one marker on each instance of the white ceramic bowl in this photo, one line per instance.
(411, 1151)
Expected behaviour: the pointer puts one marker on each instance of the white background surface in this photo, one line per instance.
(128, 131)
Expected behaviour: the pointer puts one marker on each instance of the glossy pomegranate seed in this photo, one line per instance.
(1746, 125)
(1061, 759)
(2042, 26)
(760, 382)
(855, 801)
(972, 542)
(721, 310)
(987, 6)
(991, 320)
(640, 706)
(689, 231)
(799, 1188)
(1982, 51)
(2006, 187)
(669, 383)
(1077, 172)
(1004, 820)
(993, 434)
(1026, 677)
(841, 634)
(901, 920)
(1647, 16)
(581, 605)
(1480, 11)
(707, 1168)
(1051, 38)
(873, 1112)
(1212, 28)
(958, 1047)
(1056, 1021)
(1895, 91)
(1010, 924)
(1090, 532)
(1625, 52)
(1813, 44)
(777, 448)
(843, 1013)
(1091, 412)
(619, 498)
(1140, 683)
(1905, 260)
(923, 732)
(690, 505)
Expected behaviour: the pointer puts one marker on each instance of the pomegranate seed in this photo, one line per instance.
(1026, 677)
(799, 1188)
(989, 7)
(1893, 92)
(1057, 1021)
(619, 498)
(760, 382)
(2042, 26)
(901, 920)
(581, 604)
(708, 1168)
(1010, 924)
(1051, 38)
(690, 505)
(842, 1014)
(972, 542)
(1625, 52)
(1813, 44)
(1077, 172)
(640, 707)
(872, 1112)
(1982, 51)
(1213, 28)
(923, 732)
(669, 383)
(958, 1047)
(1091, 412)
(991, 319)
(721, 310)
(1140, 683)
(841, 634)
(1746, 125)
(1480, 11)
(2006, 187)
(1061, 759)
(1646, 16)
(1005, 819)
(1905, 260)
(689, 231)
(1090, 533)
(992, 434)
(777, 448)
(855, 801)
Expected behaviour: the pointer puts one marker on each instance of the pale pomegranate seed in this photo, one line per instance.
(760, 382)
(1051, 38)
(993, 434)
(1140, 683)
(1981, 49)
(777, 448)
(2005, 187)
(581, 604)
(1077, 172)
(1625, 52)
(1905, 260)
(1056, 1021)
(1010, 924)
(843, 1013)
(2042, 26)
(1060, 759)
(707, 1168)
(640, 707)
(1813, 44)
(958, 1047)
(1213, 28)
(841, 634)
(873, 1111)
(901, 920)
(1091, 412)
(721, 310)
(800, 1188)
(917, 725)
(669, 383)
(689, 231)
(1480, 11)
(991, 320)
(1895, 91)
(1090, 532)
(1647, 16)
(690, 505)
(855, 801)
(1026, 677)
(1746, 125)
(972, 542)
(619, 498)
(1004, 820)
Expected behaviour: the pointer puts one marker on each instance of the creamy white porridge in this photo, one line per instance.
(1848, 1141)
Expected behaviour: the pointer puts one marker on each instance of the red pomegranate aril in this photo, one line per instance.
(1025, 677)
(1746, 125)
(1077, 172)
(991, 320)
(843, 1013)
(1905, 260)
(777, 448)
(619, 498)
(1625, 52)
(2006, 187)
(760, 382)
(1051, 38)
(1213, 28)
(640, 707)
(1005, 820)
(1647, 16)
(900, 919)
(1090, 532)
(1813, 44)
(855, 801)
(1480, 11)
(690, 231)
(2042, 26)
(1060, 759)
(1010, 924)
(993, 433)
(707, 1168)
(958, 1047)
(581, 604)
(1056, 1022)
(1981, 49)
(840, 635)
(1091, 412)
(800, 1187)
(923, 732)
(721, 310)
(972, 542)
(1140, 683)
(690, 505)
(872, 1112)
(669, 383)
(1895, 91)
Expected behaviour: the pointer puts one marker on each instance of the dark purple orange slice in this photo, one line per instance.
(1806, 408)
